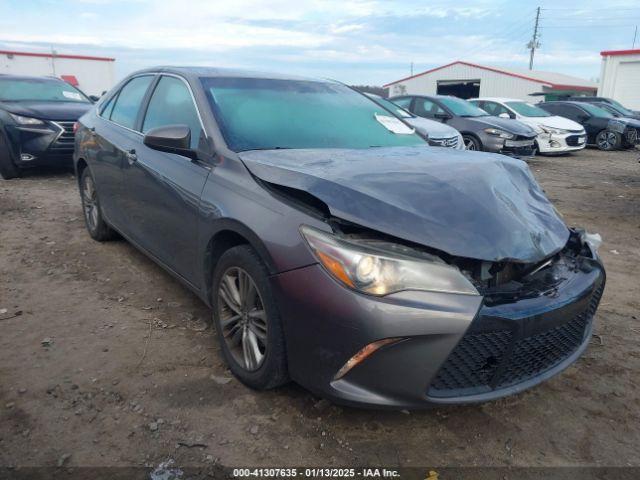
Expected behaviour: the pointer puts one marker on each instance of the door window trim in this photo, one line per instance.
(116, 95)
(147, 100)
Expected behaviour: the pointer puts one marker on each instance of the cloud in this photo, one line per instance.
(362, 41)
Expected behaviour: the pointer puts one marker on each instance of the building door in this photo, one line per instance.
(459, 88)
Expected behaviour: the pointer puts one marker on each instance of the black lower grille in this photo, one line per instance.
(486, 361)
(572, 140)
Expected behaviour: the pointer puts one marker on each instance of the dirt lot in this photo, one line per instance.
(106, 360)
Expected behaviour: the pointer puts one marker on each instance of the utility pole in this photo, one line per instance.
(635, 34)
(412, 69)
(534, 43)
(53, 60)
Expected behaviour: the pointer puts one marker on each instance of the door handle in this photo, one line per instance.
(132, 157)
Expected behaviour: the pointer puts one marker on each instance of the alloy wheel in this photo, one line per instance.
(469, 143)
(607, 140)
(243, 318)
(90, 202)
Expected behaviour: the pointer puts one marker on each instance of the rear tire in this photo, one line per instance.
(247, 320)
(607, 140)
(93, 218)
(472, 143)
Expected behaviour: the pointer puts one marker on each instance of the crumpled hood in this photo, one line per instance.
(65, 111)
(554, 121)
(475, 205)
(507, 124)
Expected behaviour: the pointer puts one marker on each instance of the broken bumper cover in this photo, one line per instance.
(452, 348)
(568, 142)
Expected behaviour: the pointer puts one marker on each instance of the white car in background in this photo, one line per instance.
(556, 134)
(437, 134)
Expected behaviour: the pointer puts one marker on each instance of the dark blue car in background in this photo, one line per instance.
(36, 122)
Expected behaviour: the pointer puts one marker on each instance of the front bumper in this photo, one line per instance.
(454, 348)
(556, 144)
(518, 147)
(31, 146)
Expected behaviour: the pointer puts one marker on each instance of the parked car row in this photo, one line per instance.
(522, 129)
(37, 117)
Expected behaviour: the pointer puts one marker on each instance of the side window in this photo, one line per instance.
(107, 108)
(570, 112)
(426, 108)
(127, 105)
(495, 109)
(172, 104)
(404, 102)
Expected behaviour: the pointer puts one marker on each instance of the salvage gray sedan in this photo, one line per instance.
(334, 246)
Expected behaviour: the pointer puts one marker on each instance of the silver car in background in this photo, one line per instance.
(438, 134)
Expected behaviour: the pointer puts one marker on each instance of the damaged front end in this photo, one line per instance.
(534, 320)
(462, 282)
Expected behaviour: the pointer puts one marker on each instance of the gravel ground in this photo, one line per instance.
(106, 360)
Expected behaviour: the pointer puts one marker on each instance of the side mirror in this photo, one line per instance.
(504, 115)
(442, 116)
(94, 98)
(171, 139)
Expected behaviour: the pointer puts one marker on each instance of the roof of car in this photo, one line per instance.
(30, 77)
(196, 72)
(569, 102)
(497, 99)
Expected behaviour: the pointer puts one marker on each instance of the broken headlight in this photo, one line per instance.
(499, 133)
(378, 272)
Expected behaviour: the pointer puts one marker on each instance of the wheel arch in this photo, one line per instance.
(229, 233)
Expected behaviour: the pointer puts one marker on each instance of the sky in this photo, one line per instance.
(370, 42)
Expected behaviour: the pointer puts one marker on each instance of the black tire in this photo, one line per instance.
(92, 212)
(8, 169)
(607, 140)
(472, 143)
(271, 371)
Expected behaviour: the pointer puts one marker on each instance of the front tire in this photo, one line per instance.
(93, 219)
(247, 320)
(8, 169)
(607, 140)
(471, 143)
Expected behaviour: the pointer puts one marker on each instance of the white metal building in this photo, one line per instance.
(620, 77)
(468, 80)
(92, 75)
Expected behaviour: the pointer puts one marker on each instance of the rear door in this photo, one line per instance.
(164, 188)
(114, 136)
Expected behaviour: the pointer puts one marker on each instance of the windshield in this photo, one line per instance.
(259, 114)
(527, 109)
(39, 89)
(617, 108)
(621, 108)
(462, 108)
(595, 111)
(389, 105)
